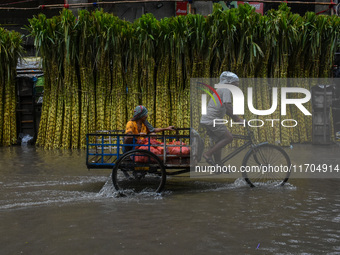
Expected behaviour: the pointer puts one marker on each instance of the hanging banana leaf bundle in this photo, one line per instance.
(10, 51)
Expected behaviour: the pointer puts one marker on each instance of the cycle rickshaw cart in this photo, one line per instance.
(144, 164)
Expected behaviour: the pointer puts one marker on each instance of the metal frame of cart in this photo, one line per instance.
(105, 149)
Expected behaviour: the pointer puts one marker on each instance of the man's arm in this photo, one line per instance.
(155, 130)
(163, 129)
(229, 108)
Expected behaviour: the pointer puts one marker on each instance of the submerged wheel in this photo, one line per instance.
(138, 171)
(266, 164)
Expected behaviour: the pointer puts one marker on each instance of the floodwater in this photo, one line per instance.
(51, 204)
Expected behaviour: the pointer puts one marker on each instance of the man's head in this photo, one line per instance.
(229, 78)
(140, 112)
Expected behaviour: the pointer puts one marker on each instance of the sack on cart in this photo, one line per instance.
(175, 150)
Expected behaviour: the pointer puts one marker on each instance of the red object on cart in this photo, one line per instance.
(179, 150)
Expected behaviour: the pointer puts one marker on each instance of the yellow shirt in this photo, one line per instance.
(131, 126)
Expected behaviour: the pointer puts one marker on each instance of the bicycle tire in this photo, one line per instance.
(147, 176)
(266, 164)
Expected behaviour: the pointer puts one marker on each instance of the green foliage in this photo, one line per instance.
(100, 66)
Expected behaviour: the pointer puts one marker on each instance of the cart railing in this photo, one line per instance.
(105, 147)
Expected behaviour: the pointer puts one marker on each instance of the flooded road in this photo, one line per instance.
(51, 204)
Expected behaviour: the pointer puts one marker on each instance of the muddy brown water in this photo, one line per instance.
(51, 204)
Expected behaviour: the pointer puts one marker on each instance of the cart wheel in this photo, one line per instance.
(140, 170)
(266, 164)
